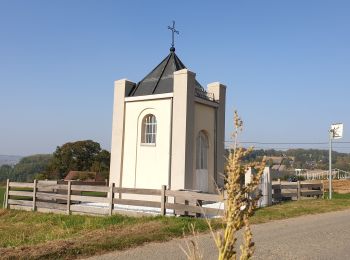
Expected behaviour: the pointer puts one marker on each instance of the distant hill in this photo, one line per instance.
(26, 169)
(9, 159)
(302, 158)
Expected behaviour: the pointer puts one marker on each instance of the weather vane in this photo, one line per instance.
(173, 31)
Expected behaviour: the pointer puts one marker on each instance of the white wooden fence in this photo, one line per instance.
(49, 196)
(296, 190)
(75, 198)
(337, 174)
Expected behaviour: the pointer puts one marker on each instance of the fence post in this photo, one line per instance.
(111, 197)
(162, 200)
(280, 186)
(277, 192)
(322, 188)
(7, 194)
(298, 190)
(69, 191)
(34, 195)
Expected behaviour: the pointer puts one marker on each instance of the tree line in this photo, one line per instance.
(88, 155)
(84, 155)
(303, 158)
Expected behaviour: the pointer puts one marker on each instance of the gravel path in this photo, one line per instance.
(322, 236)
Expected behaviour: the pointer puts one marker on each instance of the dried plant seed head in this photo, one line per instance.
(240, 200)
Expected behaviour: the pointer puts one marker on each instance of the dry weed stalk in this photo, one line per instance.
(240, 204)
(240, 201)
(192, 250)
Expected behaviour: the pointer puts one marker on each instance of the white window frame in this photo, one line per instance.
(149, 130)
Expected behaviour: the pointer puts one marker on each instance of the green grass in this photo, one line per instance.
(94, 193)
(51, 236)
(16, 227)
(302, 207)
(338, 196)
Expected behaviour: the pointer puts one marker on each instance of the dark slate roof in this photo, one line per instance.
(161, 79)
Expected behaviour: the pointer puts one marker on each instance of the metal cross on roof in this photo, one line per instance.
(172, 34)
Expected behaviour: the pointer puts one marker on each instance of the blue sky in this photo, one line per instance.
(286, 65)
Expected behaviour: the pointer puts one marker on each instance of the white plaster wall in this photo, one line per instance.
(146, 166)
(204, 119)
(121, 87)
(183, 123)
(219, 92)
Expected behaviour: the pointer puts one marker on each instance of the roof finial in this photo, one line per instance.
(173, 31)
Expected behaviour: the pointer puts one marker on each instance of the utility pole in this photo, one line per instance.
(336, 132)
(330, 163)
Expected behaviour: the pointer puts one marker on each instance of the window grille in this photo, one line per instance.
(149, 129)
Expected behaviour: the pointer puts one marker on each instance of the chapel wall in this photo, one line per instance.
(121, 88)
(146, 165)
(204, 119)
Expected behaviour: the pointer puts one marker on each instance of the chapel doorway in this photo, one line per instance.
(201, 175)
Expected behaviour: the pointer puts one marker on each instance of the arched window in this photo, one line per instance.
(149, 129)
(202, 151)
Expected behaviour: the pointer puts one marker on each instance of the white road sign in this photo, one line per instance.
(337, 130)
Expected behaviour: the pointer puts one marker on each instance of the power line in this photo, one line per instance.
(306, 143)
(286, 148)
(280, 143)
(290, 145)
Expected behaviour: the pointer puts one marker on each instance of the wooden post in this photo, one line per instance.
(7, 194)
(111, 197)
(277, 192)
(186, 213)
(69, 191)
(298, 191)
(322, 188)
(162, 200)
(200, 204)
(34, 195)
(279, 184)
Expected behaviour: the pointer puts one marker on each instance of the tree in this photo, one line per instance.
(84, 155)
(26, 169)
(101, 163)
(5, 172)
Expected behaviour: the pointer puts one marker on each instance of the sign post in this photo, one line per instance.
(336, 132)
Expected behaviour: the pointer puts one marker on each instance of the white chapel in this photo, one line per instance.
(168, 130)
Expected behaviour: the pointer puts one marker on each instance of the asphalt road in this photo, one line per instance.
(322, 236)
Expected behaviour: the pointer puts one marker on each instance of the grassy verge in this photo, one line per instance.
(51, 236)
(302, 207)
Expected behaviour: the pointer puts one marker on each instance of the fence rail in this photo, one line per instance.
(296, 190)
(76, 198)
(69, 198)
(337, 174)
